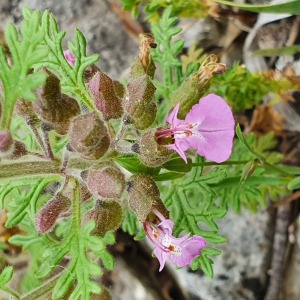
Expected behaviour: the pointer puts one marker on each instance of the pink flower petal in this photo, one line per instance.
(167, 224)
(191, 248)
(178, 150)
(172, 118)
(216, 128)
(213, 113)
(161, 256)
(70, 57)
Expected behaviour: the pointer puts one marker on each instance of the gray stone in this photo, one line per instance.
(240, 271)
(101, 27)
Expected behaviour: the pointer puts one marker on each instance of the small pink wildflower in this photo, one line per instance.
(208, 128)
(70, 57)
(179, 251)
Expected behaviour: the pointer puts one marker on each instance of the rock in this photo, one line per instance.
(101, 27)
(241, 269)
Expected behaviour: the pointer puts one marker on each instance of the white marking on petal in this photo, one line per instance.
(166, 241)
(177, 251)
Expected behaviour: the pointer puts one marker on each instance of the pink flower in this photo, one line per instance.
(70, 57)
(208, 128)
(179, 251)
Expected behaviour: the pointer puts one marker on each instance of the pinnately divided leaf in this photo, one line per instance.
(81, 269)
(72, 82)
(23, 200)
(193, 208)
(6, 276)
(165, 55)
(26, 50)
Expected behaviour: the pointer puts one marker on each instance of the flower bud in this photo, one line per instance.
(140, 89)
(119, 89)
(144, 63)
(152, 153)
(47, 216)
(248, 170)
(106, 101)
(89, 136)
(197, 85)
(143, 116)
(106, 181)
(143, 193)
(139, 105)
(107, 216)
(54, 108)
(90, 72)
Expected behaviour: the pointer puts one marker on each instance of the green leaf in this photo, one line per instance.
(17, 79)
(78, 243)
(294, 184)
(132, 164)
(263, 181)
(168, 176)
(107, 259)
(178, 165)
(204, 262)
(72, 82)
(290, 7)
(130, 223)
(25, 203)
(5, 276)
(165, 55)
(192, 205)
(243, 140)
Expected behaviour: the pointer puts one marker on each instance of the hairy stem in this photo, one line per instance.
(13, 171)
(48, 147)
(42, 290)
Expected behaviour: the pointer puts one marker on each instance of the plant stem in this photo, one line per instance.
(228, 162)
(76, 213)
(42, 290)
(241, 162)
(48, 148)
(13, 171)
(36, 134)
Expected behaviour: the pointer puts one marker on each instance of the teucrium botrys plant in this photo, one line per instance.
(62, 180)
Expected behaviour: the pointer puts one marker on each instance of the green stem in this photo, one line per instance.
(22, 170)
(76, 213)
(42, 290)
(265, 164)
(6, 115)
(225, 163)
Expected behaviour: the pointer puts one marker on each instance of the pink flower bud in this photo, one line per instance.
(107, 216)
(47, 216)
(143, 194)
(106, 101)
(139, 105)
(54, 108)
(89, 136)
(152, 154)
(106, 181)
(70, 57)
